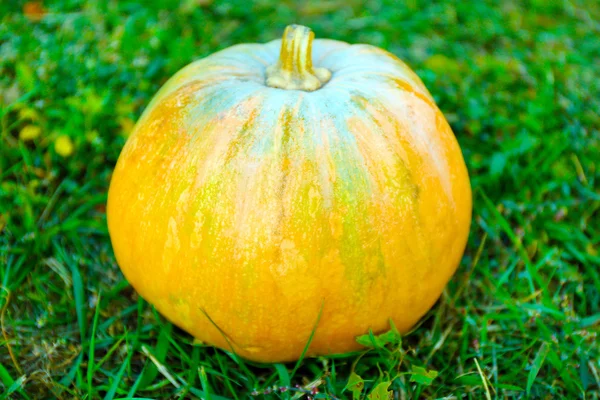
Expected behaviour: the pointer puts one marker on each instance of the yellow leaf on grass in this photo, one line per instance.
(64, 146)
(439, 63)
(34, 10)
(30, 132)
(127, 125)
(29, 113)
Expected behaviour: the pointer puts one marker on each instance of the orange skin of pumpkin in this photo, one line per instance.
(251, 215)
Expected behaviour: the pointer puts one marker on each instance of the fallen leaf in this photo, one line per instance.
(355, 385)
(422, 376)
(381, 392)
(34, 10)
(64, 146)
(29, 132)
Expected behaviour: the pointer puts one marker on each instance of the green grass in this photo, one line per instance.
(520, 85)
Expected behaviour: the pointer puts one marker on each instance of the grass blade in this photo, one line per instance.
(204, 382)
(227, 339)
(78, 289)
(137, 383)
(284, 376)
(117, 379)
(12, 384)
(159, 353)
(537, 365)
(91, 355)
(15, 387)
(484, 379)
(310, 338)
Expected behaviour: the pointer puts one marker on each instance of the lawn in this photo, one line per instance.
(518, 81)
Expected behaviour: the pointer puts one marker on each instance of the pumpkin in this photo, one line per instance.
(271, 192)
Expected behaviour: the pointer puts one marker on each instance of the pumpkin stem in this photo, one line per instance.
(294, 69)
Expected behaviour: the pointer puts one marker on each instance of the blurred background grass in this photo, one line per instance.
(517, 80)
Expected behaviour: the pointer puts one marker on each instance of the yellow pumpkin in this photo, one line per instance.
(272, 189)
